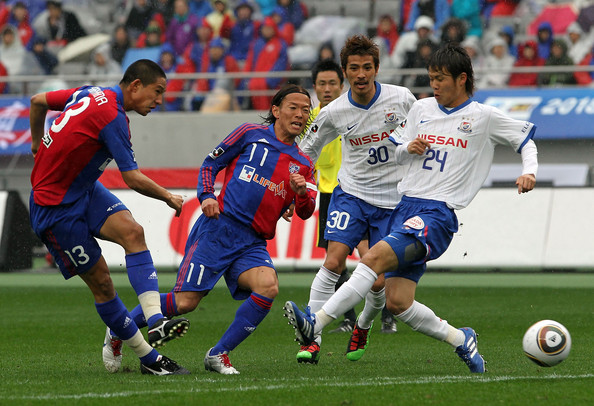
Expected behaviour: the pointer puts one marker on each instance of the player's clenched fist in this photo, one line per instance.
(418, 146)
(298, 184)
(210, 208)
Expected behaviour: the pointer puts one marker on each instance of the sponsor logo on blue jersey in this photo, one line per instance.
(247, 173)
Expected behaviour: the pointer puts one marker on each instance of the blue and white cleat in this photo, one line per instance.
(302, 322)
(468, 352)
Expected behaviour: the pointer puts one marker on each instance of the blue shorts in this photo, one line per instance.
(69, 231)
(220, 247)
(350, 219)
(429, 221)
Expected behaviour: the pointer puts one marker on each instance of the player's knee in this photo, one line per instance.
(396, 307)
(335, 265)
(134, 235)
(186, 303)
(268, 288)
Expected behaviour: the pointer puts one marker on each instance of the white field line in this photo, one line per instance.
(280, 384)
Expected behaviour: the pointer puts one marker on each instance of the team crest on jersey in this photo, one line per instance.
(217, 152)
(314, 128)
(293, 168)
(47, 140)
(391, 118)
(416, 223)
(465, 126)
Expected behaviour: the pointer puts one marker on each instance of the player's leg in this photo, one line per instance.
(345, 228)
(115, 315)
(120, 227)
(263, 284)
(378, 260)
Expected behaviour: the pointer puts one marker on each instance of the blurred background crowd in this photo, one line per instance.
(227, 54)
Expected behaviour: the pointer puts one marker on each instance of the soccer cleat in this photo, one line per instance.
(346, 326)
(219, 363)
(358, 343)
(165, 330)
(468, 352)
(302, 322)
(389, 325)
(163, 366)
(112, 352)
(309, 354)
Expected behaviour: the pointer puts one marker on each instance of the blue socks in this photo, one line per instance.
(141, 272)
(115, 315)
(248, 316)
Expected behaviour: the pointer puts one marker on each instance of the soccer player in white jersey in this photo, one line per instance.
(448, 143)
(365, 116)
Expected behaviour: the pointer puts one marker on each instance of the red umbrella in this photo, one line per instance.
(558, 15)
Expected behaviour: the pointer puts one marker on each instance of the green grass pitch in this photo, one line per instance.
(52, 337)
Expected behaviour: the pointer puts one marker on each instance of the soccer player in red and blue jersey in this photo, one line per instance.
(70, 209)
(265, 175)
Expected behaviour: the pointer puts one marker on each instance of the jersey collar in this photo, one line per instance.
(455, 109)
(119, 94)
(378, 90)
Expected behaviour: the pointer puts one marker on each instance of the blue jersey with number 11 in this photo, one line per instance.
(256, 189)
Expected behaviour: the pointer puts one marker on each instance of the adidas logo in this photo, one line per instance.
(153, 275)
(249, 329)
(127, 321)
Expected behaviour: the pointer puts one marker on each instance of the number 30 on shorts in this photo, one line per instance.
(338, 220)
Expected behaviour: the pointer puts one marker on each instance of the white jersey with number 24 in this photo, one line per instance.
(462, 141)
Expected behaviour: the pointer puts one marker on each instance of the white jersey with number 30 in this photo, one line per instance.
(368, 170)
(462, 141)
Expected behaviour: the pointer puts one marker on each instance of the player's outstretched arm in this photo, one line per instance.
(142, 184)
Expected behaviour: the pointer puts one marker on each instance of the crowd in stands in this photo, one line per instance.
(234, 36)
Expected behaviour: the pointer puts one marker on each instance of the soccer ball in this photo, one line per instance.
(547, 343)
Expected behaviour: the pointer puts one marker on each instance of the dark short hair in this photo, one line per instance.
(278, 98)
(325, 66)
(359, 45)
(144, 69)
(455, 60)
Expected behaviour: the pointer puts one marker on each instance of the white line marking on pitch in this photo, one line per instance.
(305, 382)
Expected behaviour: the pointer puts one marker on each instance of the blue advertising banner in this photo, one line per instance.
(557, 113)
(15, 136)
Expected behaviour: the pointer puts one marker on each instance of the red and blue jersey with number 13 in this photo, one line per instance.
(92, 130)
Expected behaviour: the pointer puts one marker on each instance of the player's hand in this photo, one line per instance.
(289, 213)
(176, 202)
(298, 184)
(210, 208)
(418, 146)
(526, 183)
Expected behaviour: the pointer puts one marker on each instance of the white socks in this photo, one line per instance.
(349, 294)
(374, 303)
(150, 301)
(322, 288)
(138, 344)
(422, 319)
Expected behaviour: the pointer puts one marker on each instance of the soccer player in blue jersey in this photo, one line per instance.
(70, 209)
(265, 174)
(447, 144)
